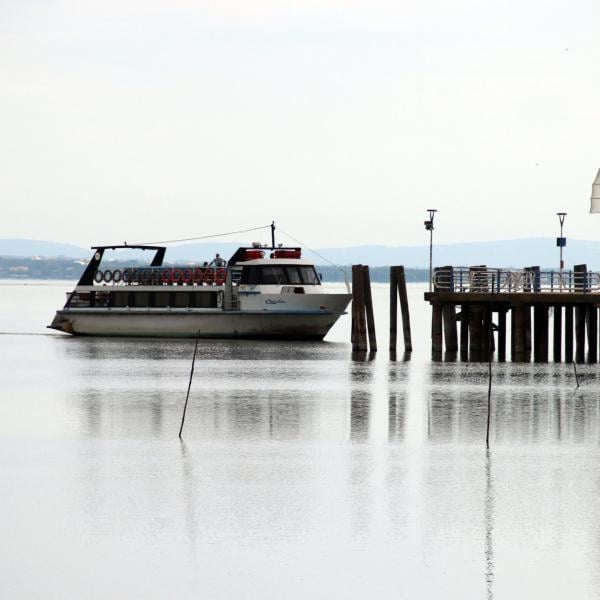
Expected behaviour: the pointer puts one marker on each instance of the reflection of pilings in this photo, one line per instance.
(397, 415)
(489, 526)
(360, 401)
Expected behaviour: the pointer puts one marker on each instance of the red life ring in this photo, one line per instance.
(198, 276)
(209, 276)
(220, 276)
(188, 276)
(177, 276)
(166, 276)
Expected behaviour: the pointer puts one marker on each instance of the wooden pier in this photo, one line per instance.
(482, 300)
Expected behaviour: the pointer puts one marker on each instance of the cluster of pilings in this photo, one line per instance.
(472, 324)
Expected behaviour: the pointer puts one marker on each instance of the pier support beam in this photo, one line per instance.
(464, 332)
(449, 317)
(557, 334)
(568, 333)
(501, 335)
(592, 332)
(580, 334)
(527, 330)
(518, 328)
(436, 330)
(540, 346)
(475, 332)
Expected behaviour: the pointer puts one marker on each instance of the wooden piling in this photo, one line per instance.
(436, 329)
(475, 332)
(366, 280)
(527, 331)
(540, 341)
(568, 333)
(449, 318)
(592, 332)
(464, 332)
(501, 335)
(557, 334)
(393, 310)
(487, 340)
(518, 323)
(402, 292)
(358, 299)
(580, 334)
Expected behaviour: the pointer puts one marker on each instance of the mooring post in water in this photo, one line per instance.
(393, 310)
(401, 283)
(189, 385)
(359, 344)
(369, 308)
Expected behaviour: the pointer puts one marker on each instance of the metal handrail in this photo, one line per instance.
(498, 281)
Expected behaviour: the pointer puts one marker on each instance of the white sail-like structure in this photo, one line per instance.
(595, 205)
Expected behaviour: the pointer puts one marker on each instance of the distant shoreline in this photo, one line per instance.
(31, 268)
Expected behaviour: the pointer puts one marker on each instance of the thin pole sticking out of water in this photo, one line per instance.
(489, 402)
(576, 376)
(189, 385)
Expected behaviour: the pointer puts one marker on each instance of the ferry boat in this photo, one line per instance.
(261, 292)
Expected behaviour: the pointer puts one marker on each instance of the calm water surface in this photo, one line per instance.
(303, 474)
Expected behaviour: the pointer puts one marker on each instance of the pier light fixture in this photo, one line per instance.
(561, 241)
(429, 227)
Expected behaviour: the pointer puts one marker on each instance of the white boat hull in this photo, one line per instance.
(195, 324)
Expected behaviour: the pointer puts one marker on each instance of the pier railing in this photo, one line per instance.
(528, 280)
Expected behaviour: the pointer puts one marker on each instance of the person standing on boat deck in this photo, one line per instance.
(217, 261)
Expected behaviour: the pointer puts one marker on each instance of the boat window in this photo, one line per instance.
(293, 275)
(309, 276)
(161, 299)
(101, 299)
(141, 299)
(80, 300)
(120, 299)
(182, 299)
(205, 299)
(273, 276)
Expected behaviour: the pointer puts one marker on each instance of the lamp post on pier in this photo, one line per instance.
(429, 227)
(561, 241)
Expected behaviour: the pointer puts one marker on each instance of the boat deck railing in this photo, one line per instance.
(528, 280)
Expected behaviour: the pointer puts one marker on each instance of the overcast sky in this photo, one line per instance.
(342, 120)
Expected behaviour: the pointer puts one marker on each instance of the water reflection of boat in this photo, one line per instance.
(262, 292)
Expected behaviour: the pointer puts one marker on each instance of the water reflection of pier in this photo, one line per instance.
(530, 404)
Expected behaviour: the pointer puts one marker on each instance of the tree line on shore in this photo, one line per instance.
(67, 268)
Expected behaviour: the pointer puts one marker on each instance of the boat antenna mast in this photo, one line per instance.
(273, 235)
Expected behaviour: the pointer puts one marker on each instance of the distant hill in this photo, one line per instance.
(507, 253)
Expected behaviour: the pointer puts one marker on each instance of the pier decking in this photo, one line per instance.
(481, 301)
